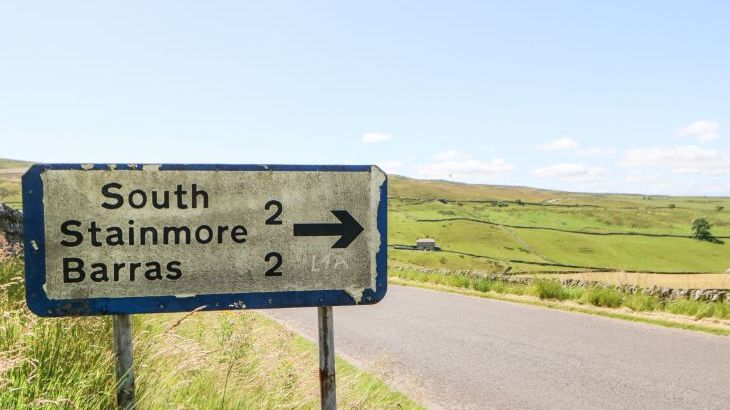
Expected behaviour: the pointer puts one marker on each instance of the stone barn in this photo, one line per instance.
(426, 244)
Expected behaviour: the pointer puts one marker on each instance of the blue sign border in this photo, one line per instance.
(35, 263)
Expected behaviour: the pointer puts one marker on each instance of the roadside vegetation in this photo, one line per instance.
(10, 174)
(221, 360)
(549, 289)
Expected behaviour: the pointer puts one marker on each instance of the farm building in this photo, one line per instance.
(426, 244)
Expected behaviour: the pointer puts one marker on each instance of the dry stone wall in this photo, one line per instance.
(11, 231)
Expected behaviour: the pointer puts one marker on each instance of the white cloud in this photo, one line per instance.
(569, 144)
(451, 155)
(560, 144)
(595, 152)
(469, 170)
(717, 188)
(687, 159)
(702, 131)
(641, 176)
(571, 172)
(374, 137)
(391, 167)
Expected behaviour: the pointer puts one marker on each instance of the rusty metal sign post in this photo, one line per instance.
(123, 239)
(122, 325)
(326, 358)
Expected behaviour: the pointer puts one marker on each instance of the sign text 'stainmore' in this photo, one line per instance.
(175, 237)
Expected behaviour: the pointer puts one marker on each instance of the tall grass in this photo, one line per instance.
(50, 363)
(550, 289)
(214, 360)
(605, 297)
(699, 309)
(642, 303)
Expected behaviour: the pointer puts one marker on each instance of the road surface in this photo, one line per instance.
(460, 352)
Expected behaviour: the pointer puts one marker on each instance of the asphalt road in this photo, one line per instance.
(461, 352)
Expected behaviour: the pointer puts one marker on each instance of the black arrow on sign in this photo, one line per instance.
(348, 229)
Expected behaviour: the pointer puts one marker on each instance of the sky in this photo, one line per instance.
(594, 96)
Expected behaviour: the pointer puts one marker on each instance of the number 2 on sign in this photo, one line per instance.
(273, 270)
(274, 219)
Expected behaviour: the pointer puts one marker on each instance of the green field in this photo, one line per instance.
(492, 228)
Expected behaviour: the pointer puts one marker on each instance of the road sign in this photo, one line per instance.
(123, 239)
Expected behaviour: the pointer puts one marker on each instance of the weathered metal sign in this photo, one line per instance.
(122, 239)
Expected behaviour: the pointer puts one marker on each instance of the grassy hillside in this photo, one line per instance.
(492, 228)
(10, 173)
(13, 163)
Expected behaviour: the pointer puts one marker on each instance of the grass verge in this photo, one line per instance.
(595, 301)
(243, 360)
(221, 360)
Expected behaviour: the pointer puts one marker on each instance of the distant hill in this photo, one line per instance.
(10, 173)
(400, 186)
(12, 163)
(436, 189)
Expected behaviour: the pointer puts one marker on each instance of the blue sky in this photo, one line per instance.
(618, 96)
